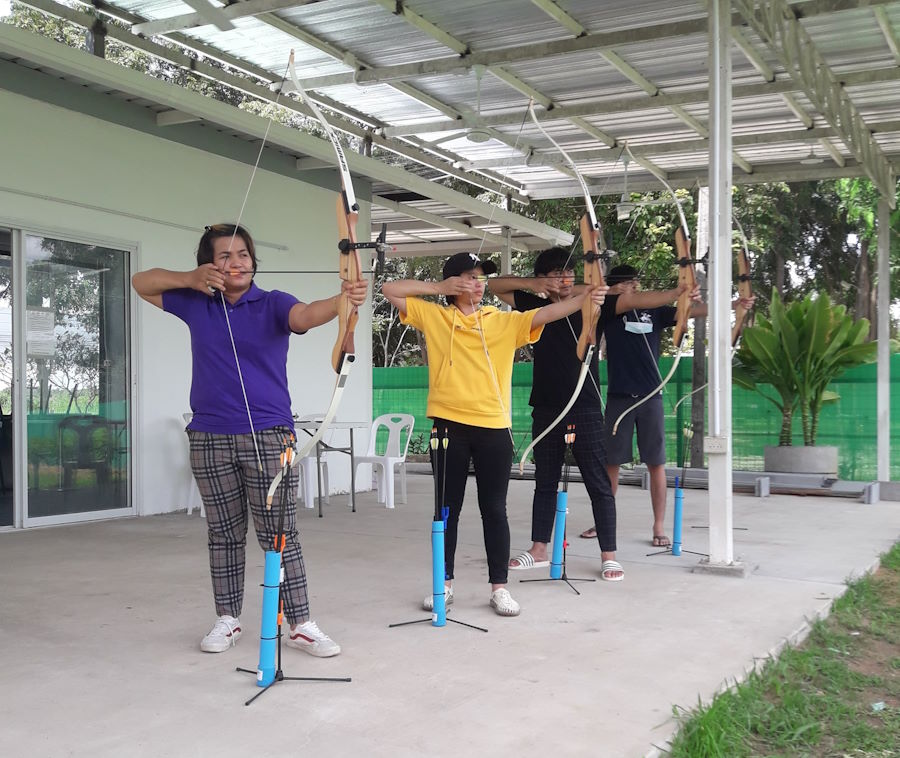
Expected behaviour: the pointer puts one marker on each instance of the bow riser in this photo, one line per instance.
(592, 240)
(350, 270)
(745, 290)
(685, 274)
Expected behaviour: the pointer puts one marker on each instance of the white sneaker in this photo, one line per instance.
(502, 602)
(310, 639)
(225, 632)
(428, 602)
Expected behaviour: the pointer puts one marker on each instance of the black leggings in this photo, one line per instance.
(491, 452)
(590, 455)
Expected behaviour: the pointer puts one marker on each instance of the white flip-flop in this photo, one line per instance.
(611, 566)
(526, 561)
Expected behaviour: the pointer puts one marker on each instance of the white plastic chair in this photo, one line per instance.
(307, 484)
(394, 455)
(193, 496)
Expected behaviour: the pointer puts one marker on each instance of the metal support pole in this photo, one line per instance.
(883, 392)
(718, 444)
(698, 370)
(95, 38)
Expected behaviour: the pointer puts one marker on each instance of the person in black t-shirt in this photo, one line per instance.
(556, 370)
(632, 352)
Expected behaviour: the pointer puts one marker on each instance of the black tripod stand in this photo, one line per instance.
(560, 543)
(272, 600)
(438, 528)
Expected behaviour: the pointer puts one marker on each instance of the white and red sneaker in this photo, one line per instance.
(310, 639)
(225, 632)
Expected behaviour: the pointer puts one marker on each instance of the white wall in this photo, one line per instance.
(76, 176)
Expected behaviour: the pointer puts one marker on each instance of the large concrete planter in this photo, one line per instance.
(801, 459)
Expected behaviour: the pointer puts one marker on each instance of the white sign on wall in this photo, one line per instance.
(39, 333)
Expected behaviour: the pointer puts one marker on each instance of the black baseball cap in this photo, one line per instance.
(462, 262)
(619, 274)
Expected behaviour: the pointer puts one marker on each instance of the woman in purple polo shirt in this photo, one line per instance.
(226, 451)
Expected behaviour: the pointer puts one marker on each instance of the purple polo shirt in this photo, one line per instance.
(260, 324)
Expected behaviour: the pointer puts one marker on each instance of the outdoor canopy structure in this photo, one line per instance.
(709, 93)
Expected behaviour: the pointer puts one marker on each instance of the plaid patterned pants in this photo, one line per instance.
(229, 479)
(590, 455)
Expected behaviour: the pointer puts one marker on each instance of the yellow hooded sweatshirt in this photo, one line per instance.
(470, 359)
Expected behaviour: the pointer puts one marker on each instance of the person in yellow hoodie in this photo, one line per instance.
(470, 355)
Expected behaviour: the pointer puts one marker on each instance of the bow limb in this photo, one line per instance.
(682, 313)
(585, 367)
(591, 236)
(584, 188)
(591, 240)
(349, 266)
(683, 253)
(653, 393)
(349, 270)
(309, 444)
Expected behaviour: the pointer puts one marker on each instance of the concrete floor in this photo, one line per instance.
(100, 626)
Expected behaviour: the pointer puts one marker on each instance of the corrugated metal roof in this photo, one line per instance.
(655, 45)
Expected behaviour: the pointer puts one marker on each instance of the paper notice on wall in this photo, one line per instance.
(39, 333)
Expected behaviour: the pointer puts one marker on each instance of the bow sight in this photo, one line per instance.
(380, 246)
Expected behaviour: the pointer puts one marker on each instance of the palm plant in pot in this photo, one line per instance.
(790, 359)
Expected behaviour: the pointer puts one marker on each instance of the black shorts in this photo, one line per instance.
(650, 422)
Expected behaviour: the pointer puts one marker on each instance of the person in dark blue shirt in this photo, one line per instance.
(632, 351)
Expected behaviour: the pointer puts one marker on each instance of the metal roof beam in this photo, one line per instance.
(768, 73)
(47, 53)
(752, 54)
(634, 103)
(802, 116)
(174, 118)
(563, 18)
(426, 249)
(464, 115)
(890, 36)
(833, 152)
(229, 12)
(503, 75)
(522, 53)
(399, 8)
(778, 27)
(211, 14)
(635, 76)
(443, 223)
(688, 146)
(774, 172)
(515, 54)
(424, 155)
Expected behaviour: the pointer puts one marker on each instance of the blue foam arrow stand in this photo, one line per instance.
(439, 612)
(676, 518)
(268, 633)
(559, 535)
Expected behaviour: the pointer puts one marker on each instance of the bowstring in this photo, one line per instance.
(237, 225)
(572, 251)
(507, 413)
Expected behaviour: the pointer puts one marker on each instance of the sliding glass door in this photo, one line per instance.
(76, 380)
(7, 469)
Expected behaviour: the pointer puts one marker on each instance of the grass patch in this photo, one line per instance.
(817, 699)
